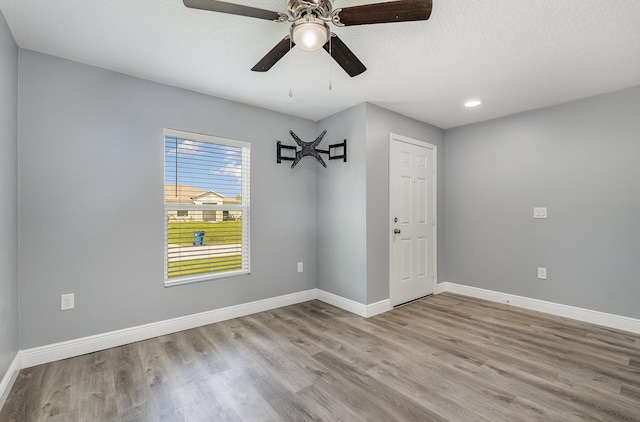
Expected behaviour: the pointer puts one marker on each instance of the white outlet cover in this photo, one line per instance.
(67, 301)
(542, 273)
(300, 267)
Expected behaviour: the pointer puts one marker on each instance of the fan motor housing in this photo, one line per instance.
(320, 8)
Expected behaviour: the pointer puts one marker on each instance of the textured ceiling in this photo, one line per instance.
(515, 55)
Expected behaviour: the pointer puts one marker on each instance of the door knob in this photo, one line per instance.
(396, 231)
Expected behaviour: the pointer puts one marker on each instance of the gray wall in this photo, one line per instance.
(578, 159)
(91, 188)
(91, 201)
(353, 201)
(9, 195)
(342, 236)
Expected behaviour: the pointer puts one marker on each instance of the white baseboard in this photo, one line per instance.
(57, 351)
(9, 378)
(81, 346)
(341, 302)
(378, 308)
(67, 349)
(580, 314)
(352, 306)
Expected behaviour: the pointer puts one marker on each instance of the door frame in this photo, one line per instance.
(394, 137)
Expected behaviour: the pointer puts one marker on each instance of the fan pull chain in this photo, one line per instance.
(330, 59)
(290, 68)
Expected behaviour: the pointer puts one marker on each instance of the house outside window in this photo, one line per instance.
(206, 207)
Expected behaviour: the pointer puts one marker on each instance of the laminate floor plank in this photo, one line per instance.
(581, 362)
(433, 396)
(536, 402)
(242, 398)
(391, 401)
(601, 341)
(326, 407)
(579, 369)
(442, 358)
(547, 357)
(631, 392)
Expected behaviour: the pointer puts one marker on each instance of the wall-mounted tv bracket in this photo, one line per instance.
(310, 149)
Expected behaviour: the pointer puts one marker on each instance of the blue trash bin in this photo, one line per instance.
(198, 238)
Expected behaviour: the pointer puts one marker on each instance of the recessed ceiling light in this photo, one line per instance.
(472, 103)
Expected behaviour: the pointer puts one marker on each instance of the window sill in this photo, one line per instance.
(206, 277)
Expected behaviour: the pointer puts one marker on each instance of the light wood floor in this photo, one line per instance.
(446, 357)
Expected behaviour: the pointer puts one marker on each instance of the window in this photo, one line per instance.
(206, 207)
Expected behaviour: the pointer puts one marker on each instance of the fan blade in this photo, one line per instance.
(274, 55)
(344, 57)
(233, 9)
(391, 11)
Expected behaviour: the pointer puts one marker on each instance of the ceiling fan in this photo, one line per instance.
(310, 29)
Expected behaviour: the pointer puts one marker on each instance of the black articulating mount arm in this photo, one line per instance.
(310, 149)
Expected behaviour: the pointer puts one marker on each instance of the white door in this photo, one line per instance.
(412, 195)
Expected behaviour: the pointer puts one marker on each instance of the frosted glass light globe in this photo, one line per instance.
(310, 35)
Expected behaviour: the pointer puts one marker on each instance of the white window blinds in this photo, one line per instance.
(206, 207)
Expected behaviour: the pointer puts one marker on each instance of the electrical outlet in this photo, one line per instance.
(67, 301)
(542, 273)
(540, 212)
(300, 267)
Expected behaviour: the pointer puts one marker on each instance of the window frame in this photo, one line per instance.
(243, 207)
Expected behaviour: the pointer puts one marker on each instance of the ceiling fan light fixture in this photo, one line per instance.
(309, 33)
